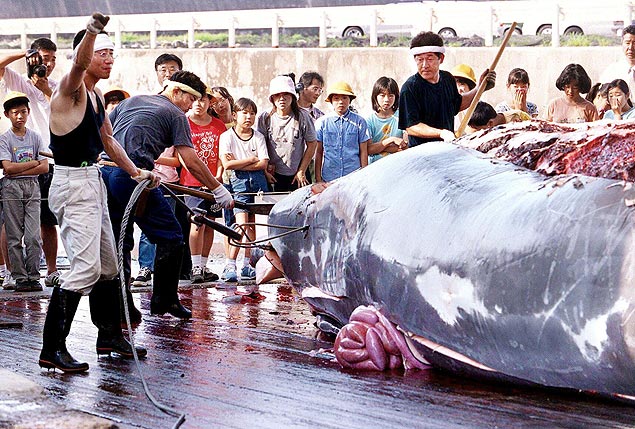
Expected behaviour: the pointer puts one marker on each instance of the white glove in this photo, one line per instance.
(142, 175)
(447, 136)
(223, 197)
(96, 23)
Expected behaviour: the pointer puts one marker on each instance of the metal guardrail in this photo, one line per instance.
(410, 17)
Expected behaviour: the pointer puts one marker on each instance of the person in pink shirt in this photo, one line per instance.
(571, 108)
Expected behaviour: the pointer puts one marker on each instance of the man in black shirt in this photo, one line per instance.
(429, 99)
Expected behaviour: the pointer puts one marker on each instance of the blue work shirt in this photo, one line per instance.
(341, 137)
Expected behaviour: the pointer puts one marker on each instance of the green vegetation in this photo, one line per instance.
(310, 39)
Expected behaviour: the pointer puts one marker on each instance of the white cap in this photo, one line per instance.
(280, 84)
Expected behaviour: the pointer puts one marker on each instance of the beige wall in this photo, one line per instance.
(247, 72)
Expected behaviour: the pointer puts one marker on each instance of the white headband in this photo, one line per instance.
(183, 87)
(427, 49)
(102, 41)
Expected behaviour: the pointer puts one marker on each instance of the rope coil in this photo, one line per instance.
(124, 225)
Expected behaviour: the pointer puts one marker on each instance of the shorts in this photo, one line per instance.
(246, 184)
(46, 215)
(211, 210)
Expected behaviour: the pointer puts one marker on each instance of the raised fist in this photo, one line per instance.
(97, 23)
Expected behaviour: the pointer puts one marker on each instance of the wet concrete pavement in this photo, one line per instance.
(247, 364)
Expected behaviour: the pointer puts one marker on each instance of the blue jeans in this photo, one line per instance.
(157, 221)
(147, 250)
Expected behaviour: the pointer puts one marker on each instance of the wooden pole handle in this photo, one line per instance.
(481, 86)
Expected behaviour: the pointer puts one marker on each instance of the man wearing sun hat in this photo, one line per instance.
(342, 136)
(429, 99)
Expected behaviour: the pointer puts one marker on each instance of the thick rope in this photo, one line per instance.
(124, 225)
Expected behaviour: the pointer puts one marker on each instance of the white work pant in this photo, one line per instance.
(79, 201)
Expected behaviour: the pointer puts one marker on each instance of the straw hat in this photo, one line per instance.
(14, 98)
(466, 72)
(341, 88)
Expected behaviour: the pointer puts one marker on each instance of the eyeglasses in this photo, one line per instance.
(167, 70)
(315, 88)
(218, 103)
(103, 54)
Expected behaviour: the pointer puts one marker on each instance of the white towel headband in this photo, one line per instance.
(427, 49)
(183, 87)
(102, 41)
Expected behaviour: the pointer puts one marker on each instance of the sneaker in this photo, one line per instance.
(52, 279)
(9, 282)
(229, 274)
(248, 273)
(196, 275)
(28, 286)
(144, 278)
(209, 276)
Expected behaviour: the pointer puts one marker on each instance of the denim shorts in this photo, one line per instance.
(246, 184)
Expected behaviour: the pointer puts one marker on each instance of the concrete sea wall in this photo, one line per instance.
(247, 72)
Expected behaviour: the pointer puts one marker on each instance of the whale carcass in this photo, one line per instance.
(489, 269)
(600, 149)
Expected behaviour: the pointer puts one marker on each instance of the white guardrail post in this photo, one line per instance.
(117, 26)
(23, 37)
(54, 33)
(231, 32)
(489, 32)
(555, 27)
(190, 33)
(153, 34)
(628, 14)
(373, 28)
(323, 22)
(275, 32)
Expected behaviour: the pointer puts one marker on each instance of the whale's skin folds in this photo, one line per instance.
(531, 276)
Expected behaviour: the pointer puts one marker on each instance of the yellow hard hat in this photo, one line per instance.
(464, 71)
(14, 98)
(341, 88)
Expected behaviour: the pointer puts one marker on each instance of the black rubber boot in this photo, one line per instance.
(104, 312)
(135, 314)
(59, 316)
(167, 266)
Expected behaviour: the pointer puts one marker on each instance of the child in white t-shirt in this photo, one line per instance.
(244, 151)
